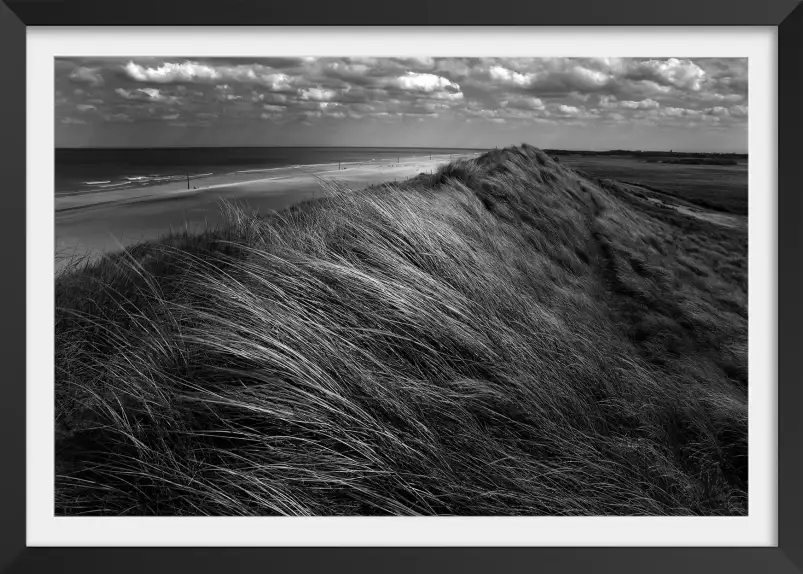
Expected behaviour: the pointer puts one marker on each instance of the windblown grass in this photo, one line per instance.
(504, 337)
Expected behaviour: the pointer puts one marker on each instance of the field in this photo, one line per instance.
(716, 187)
(505, 337)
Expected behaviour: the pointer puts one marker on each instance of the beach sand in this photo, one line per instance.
(92, 223)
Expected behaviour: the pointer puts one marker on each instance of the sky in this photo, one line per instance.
(698, 104)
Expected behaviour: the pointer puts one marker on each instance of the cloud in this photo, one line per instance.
(270, 97)
(515, 91)
(678, 112)
(317, 94)
(522, 102)
(431, 84)
(648, 104)
(146, 95)
(69, 120)
(608, 102)
(717, 111)
(172, 72)
(671, 72)
(89, 76)
(551, 76)
(569, 110)
(354, 71)
(500, 74)
(587, 78)
(717, 97)
(196, 72)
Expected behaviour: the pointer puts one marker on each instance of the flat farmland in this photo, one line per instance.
(717, 187)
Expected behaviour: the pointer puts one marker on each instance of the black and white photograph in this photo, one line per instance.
(401, 286)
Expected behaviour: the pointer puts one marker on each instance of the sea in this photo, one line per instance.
(96, 170)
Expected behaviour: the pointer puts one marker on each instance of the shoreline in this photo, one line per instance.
(79, 199)
(93, 224)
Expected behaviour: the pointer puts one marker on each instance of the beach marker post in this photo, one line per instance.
(188, 181)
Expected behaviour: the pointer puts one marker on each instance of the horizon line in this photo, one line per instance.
(607, 150)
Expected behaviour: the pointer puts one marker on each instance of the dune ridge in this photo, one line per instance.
(506, 336)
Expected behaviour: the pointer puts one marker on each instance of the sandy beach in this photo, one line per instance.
(92, 223)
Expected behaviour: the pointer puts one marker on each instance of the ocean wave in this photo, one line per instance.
(264, 169)
(116, 184)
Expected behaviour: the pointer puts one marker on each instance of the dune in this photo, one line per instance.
(504, 337)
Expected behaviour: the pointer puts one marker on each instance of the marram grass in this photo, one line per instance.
(504, 337)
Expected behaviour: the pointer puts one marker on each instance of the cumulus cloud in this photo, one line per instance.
(195, 72)
(671, 72)
(647, 104)
(717, 111)
(316, 94)
(678, 112)
(172, 72)
(89, 76)
(431, 84)
(514, 91)
(589, 78)
(522, 102)
(501, 74)
(569, 110)
(147, 95)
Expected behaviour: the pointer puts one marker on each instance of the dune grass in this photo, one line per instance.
(504, 337)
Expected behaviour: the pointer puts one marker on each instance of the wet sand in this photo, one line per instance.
(92, 223)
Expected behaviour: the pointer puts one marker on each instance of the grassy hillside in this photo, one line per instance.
(505, 337)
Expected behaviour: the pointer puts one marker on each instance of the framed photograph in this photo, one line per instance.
(329, 287)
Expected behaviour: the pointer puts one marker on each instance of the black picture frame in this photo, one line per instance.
(15, 15)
